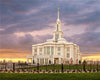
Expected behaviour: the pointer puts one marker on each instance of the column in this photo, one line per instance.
(53, 60)
(44, 60)
(39, 60)
(59, 60)
(50, 50)
(43, 50)
(54, 50)
(38, 50)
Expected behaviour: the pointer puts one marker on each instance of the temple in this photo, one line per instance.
(56, 50)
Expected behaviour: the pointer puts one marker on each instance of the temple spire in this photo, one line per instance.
(58, 23)
(58, 34)
(58, 12)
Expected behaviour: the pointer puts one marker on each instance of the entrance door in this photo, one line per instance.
(56, 60)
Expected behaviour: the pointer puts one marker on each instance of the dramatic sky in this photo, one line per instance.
(27, 22)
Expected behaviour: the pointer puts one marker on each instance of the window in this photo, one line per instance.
(37, 60)
(35, 50)
(41, 61)
(44, 50)
(58, 53)
(68, 48)
(48, 50)
(58, 48)
(40, 53)
(68, 55)
(57, 36)
(52, 49)
(46, 61)
(40, 49)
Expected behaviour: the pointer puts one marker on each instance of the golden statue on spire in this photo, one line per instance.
(58, 8)
(58, 13)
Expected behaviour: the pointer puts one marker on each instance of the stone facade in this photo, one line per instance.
(56, 50)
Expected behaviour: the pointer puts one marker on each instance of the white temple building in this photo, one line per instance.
(56, 50)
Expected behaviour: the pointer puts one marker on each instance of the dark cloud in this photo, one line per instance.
(21, 43)
(93, 2)
(12, 42)
(15, 11)
(89, 41)
(93, 17)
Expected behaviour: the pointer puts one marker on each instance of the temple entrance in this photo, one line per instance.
(56, 60)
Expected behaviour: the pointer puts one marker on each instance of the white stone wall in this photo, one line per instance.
(74, 53)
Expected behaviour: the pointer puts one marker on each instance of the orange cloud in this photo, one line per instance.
(18, 55)
(13, 60)
(13, 54)
(93, 58)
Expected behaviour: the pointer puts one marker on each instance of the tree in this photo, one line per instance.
(84, 62)
(49, 61)
(71, 61)
(79, 61)
(33, 62)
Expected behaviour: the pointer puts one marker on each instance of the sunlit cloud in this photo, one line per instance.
(13, 60)
(91, 58)
(42, 32)
(2, 29)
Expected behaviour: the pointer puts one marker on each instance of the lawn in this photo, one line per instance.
(58, 67)
(50, 76)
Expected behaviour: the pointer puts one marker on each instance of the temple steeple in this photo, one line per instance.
(58, 34)
(58, 13)
(58, 23)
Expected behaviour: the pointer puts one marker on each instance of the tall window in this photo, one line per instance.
(35, 50)
(58, 48)
(48, 50)
(45, 50)
(57, 36)
(68, 48)
(40, 49)
(42, 61)
(46, 61)
(68, 55)
(58, 53)
(52, 49)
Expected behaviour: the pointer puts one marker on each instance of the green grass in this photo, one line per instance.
(50, 76)
(58, 67)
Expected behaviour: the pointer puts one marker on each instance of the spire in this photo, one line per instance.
(58, 23)
(58, 34)
(58, 12)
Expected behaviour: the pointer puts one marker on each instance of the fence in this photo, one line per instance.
(52, 68)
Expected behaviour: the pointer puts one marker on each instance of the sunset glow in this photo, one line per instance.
(13, 60)
(22, 58)
(88, 58)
